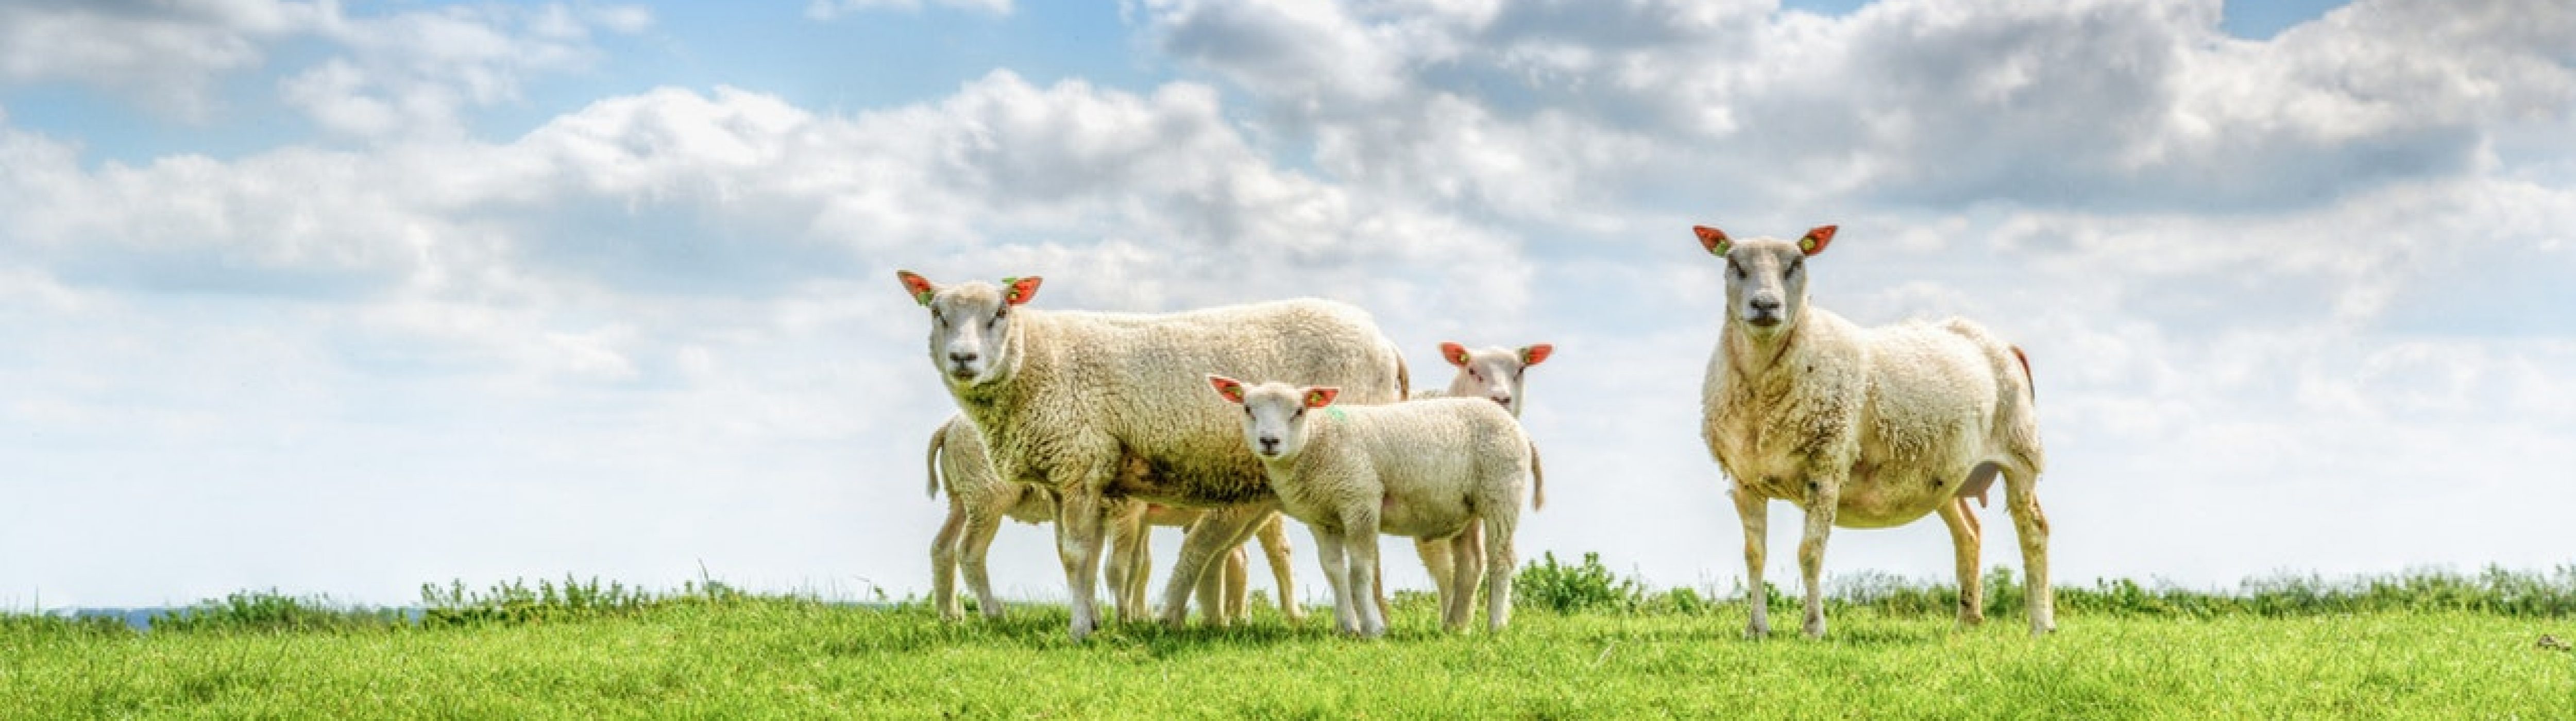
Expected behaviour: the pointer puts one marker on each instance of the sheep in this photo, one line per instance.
(1864, 427)
(1086, 406)
(979, 501)
(1494, 374)
(1424, 469)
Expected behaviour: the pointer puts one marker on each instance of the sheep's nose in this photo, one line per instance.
(1503, 398)
(1269, 443)
(1766, 304)
(961, 357)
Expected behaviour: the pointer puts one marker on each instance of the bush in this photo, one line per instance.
(1546, 584)
(514, 601)
(271, 611)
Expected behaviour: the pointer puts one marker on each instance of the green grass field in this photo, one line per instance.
(731, 655)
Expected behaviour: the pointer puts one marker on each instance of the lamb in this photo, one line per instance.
(1494, 374)
(1425, 469)
(978, 502)
(1085, 406)
(1864, 427)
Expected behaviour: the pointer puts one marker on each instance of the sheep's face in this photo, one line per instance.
(970, 325)
(1493, 373)
(1766, 279)
(1274, 414)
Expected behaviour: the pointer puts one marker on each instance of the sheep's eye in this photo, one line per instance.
(1794, 265)
(1738, 268)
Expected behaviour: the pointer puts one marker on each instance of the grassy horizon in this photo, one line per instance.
(1584, 643)
(773, 656)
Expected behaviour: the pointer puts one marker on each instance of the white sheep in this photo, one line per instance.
(1093, 406)
(1494, 374)
(979, 501)
(1864, 427)
(1424, 469)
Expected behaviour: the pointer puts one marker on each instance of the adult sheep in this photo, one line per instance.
(1071, 401)
(1864, 427)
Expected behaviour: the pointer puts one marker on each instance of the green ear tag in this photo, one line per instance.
(921, 297)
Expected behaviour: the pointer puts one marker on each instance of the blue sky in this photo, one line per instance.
(346, 298)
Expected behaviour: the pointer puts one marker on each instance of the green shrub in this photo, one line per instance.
(271, 611)
(515, 601)
(1549, 585)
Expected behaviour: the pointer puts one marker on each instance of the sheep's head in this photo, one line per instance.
(1766, 279)
(970, 325)
(1274, 414)
(1493, 373)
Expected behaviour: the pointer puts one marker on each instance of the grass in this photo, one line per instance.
(1624, 651)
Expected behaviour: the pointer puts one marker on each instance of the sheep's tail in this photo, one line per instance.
(938, 441)
(1538, 481)
(2028, 383)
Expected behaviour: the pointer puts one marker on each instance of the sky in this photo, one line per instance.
(344, 298)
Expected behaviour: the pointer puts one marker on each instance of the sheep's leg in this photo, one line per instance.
(943, 562)
(1216, 531)
(1238, 579)
(1467, 549)
(2021, 499)
(1501, 560)
(1328, 551)
(1274, 544)
(1965, 543)
(1078, 520)
(1127, 539)
(972, 546)
(1211, 592)
(1140, 573)
(1359, 539)
(1437, 561)
(1754, 511)
(1377, 579)
(1824, 496)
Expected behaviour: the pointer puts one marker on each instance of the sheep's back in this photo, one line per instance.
(1141, 379)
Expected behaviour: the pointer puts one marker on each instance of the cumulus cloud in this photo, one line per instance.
(407, 72)
(2099, 104)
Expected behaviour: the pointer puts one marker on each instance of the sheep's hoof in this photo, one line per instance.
(1815, 628)
(993, 611)
(1971, 620)
(1757, 631)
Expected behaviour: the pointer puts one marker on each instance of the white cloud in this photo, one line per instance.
(2097, 105)
(406, 72)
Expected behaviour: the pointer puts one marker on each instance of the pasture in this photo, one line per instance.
(2412, 647)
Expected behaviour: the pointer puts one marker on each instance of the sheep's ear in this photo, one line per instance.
(1536, 354)
(1230, 388)
(1020, 290)
(1454, 353)
(1814, 241)
(1320, 396)
(920, 287)
(1713, 239)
